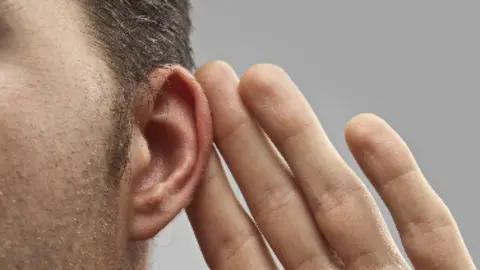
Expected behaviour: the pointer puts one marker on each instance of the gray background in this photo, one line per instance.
(415, 63)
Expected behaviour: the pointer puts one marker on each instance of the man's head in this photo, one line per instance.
(103, 131)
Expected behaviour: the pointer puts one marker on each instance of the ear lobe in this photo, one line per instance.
(178, 131)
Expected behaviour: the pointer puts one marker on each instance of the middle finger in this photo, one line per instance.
(342, 206)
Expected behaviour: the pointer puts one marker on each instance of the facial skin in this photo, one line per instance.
(63, 127)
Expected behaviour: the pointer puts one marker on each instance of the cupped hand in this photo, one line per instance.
(305, 201)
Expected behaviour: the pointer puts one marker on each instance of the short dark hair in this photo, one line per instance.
(137, 36)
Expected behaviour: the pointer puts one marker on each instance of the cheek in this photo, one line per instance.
(47, 112)
(54, 131)
(54, 127)
(55, 107)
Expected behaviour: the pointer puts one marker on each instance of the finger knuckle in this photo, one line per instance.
(273, 201)
(232, 246)
(428, 230)
(232, 131)
(337, 198)
(398, 177)
(295, 131)
(317, 261)
(377, 260)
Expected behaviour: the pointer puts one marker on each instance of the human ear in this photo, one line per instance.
(172, 139)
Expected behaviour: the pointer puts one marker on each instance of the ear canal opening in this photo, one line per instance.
(163, 155)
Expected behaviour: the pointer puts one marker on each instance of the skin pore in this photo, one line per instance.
(86, 177)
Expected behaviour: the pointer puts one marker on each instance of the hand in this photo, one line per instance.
(310, 207)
